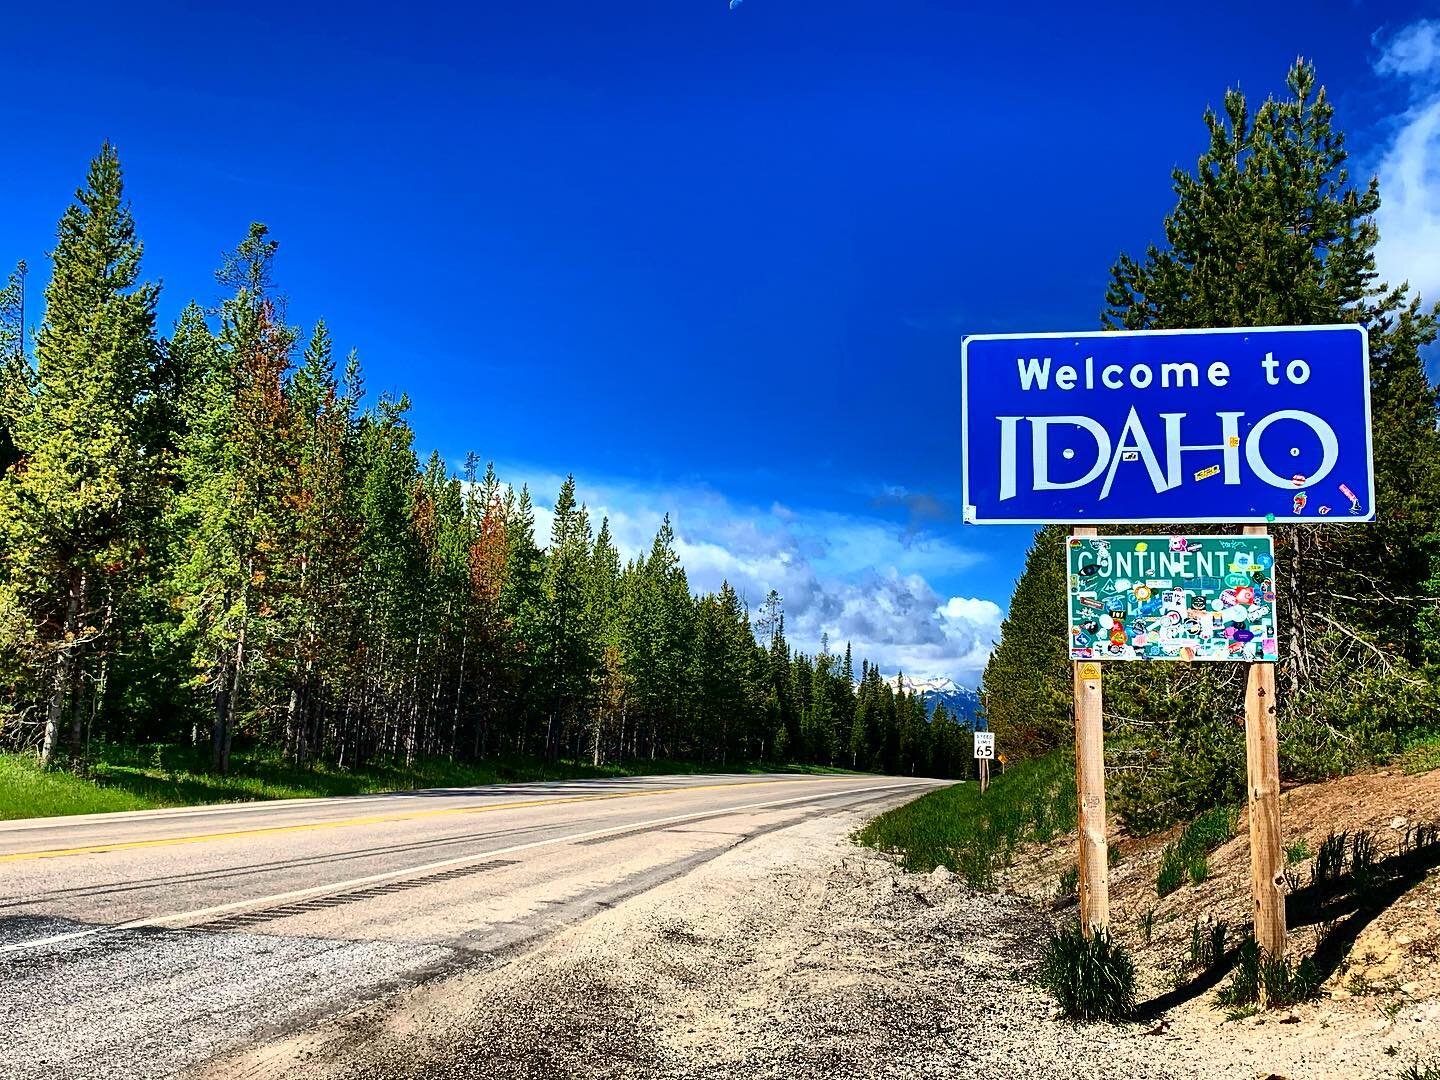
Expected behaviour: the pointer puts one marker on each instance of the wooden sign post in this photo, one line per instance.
(1262, 771)
(1090, 790)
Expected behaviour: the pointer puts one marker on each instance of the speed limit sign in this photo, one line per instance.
(985, 745)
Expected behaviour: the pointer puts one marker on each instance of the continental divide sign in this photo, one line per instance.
(1268, 424)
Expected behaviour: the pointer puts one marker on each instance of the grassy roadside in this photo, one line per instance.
(973, 836)
(146, 777)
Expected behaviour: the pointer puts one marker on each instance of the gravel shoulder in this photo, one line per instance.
(799, 955)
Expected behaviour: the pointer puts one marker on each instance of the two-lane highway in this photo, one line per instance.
(152, 940)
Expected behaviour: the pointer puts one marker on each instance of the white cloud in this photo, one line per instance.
(1409, 168)
(1415, 50)
(862, 580)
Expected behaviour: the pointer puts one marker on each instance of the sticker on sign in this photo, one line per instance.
(985, 745)
(1218, 425)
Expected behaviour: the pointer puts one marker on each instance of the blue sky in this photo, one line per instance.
(714, 262)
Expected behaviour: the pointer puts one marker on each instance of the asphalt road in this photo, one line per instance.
(148, 942)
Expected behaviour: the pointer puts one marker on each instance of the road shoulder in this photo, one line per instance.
(795, 955)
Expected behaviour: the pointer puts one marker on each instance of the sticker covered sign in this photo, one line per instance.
(1172, 598)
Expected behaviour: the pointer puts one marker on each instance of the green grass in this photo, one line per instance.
(976, 836)
(144, 777)
(1185, 856)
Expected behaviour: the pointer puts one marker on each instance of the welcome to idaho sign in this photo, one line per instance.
(1246, 425)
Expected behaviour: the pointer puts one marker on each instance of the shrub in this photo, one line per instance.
(1092, 978)
(1297, 852)
(1147, 924)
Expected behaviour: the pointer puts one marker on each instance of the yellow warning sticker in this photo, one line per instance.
(1089, 671)
(1205, 474)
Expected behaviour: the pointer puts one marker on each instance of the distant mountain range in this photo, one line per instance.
(960, 701)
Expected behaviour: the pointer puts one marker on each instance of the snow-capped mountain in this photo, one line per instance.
(960, 701)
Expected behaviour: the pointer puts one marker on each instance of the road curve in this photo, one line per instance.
(151, 941)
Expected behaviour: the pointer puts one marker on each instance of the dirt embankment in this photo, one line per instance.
(798, 955)
(1384, 948)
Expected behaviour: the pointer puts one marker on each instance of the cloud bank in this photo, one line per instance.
(853, 578)
(1409, 167)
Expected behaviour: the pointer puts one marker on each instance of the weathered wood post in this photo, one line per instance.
(1090, 791)
(1262, 770)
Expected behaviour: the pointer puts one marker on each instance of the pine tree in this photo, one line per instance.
(603, 609)
(238, 465)
(1027, 691)
(74, 521)
(569, 651)
(1268, 230)
(522, 600)
(17, 379)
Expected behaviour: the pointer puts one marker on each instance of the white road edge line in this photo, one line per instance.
(354, 883)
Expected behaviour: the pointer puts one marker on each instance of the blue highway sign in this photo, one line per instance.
(1264, 424)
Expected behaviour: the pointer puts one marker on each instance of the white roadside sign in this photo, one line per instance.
(985, 745)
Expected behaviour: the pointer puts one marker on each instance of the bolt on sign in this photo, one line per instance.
(1248, 425)
(1172, 598)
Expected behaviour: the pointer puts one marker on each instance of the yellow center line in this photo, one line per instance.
(376, 819)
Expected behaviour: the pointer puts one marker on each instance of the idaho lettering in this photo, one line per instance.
(1161, 449)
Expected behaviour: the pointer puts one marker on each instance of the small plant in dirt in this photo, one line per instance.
(1429, 1069)
(1172, 872)
(1207, 944)
(1420, 838)
(1359, 986)
(1091, 978)
(1147, 925)
(1112, 854)
(1283, 981)
(1186, 855)
(1198, 868)
(1297, 851)
(1069, 884)
(1363, 860)
(1330, 859)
